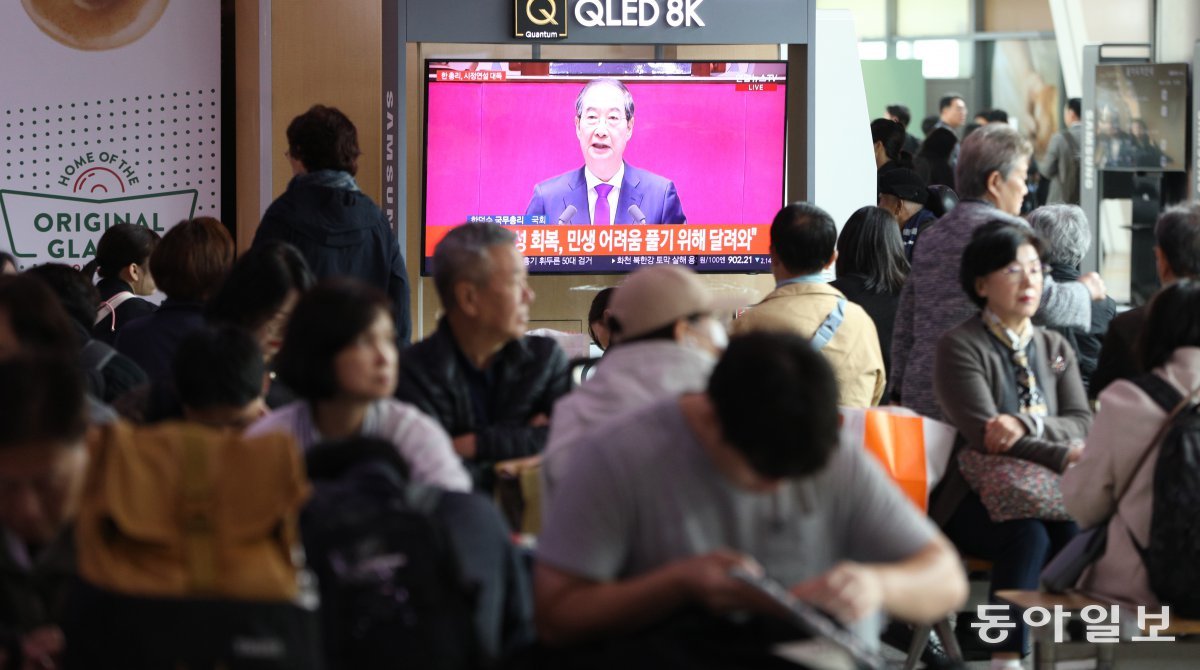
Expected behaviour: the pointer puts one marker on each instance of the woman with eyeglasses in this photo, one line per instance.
(1013, 391)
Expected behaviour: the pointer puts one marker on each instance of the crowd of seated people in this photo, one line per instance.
(697, 456)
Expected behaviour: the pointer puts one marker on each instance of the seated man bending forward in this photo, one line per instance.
(654, 510)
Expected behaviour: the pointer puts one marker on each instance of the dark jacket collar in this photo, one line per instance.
(447, 348)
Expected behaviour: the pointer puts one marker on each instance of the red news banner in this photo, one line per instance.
(632, 240)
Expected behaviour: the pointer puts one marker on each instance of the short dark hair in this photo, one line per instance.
(43, 397)
(325, 321)
(119, 246)
(1177, 234)
(462, 255)
(948, 100)
(870, 245)
(928, 124)
(890, 134)
(997, 116)
(803, 237)
(939, 143)
(6, 259)
(599, 304)
(323, 138)
(1173, 321)
(36, 316)
(776, 399)
(218, 367)
(76, 294)
(192, 259)
(258, 284)
(1075, 105)
(993, 246)
(901, 113)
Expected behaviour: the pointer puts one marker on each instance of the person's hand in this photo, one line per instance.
(848, 592)
(539, 420)
(464, 446)
(1094, 284)
(42, 648)
(707, 579)
(1074, 453)
(1001, 432)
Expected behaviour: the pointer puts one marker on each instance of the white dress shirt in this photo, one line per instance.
(613, 195)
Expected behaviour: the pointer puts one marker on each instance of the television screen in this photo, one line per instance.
(1141, 116)
(601, 167)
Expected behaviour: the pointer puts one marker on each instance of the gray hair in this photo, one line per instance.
(993, 148)
(1066, 230)
(605, 81)
(462, 255)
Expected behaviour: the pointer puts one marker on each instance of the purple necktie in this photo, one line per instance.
(602, 217)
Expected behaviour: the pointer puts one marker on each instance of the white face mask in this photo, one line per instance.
(717, 333)
(708, 329)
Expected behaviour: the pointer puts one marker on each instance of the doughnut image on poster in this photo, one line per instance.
(95, 25)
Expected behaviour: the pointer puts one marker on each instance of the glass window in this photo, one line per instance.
(872, 50)
(870, 16)
(940, 59)
(933, 17)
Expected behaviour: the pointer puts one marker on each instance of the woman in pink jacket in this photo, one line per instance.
(1123, 429)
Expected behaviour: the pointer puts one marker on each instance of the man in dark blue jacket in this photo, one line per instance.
(488, 384)
(340, 231)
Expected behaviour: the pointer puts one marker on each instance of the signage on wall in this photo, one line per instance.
(541, 19)
(116, 119)
(547, 19)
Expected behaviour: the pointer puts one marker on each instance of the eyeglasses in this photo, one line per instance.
(1015, 272)
(591, 120)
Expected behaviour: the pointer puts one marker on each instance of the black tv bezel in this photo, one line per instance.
(424, 269)
(1187, 82)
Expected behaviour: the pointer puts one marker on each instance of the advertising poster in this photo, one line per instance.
(111, 114)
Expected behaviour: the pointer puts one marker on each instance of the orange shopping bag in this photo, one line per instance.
(914, 450)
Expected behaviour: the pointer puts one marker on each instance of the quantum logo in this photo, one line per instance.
(540, 19)
(547, 16)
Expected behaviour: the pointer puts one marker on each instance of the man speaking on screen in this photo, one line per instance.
(606, 190)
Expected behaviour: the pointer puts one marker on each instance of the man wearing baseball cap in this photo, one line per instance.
(666, 336)
(903, 193)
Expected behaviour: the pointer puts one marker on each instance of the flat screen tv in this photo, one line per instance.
(1142, 116)
(690, 162)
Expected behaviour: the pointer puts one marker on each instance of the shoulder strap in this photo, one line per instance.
(1160, 390)
(421, 498)
(829, 327)
(111, 306)
(1171, 401)
(96, 354)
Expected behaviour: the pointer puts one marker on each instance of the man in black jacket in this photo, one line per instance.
(488, 384)
(1176, 256)
(325, 215)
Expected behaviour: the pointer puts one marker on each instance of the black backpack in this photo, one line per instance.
(1174, 549)
(392, 593)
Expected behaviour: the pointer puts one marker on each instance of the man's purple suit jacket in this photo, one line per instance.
(654, 195)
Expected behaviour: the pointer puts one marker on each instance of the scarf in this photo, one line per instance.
(1029, 394)
(328, 179)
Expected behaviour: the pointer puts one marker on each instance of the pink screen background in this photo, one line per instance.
(490, 143)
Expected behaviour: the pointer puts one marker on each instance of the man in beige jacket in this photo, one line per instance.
(803, 241)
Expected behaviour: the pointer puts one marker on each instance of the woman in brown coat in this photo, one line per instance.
(1012, 390)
